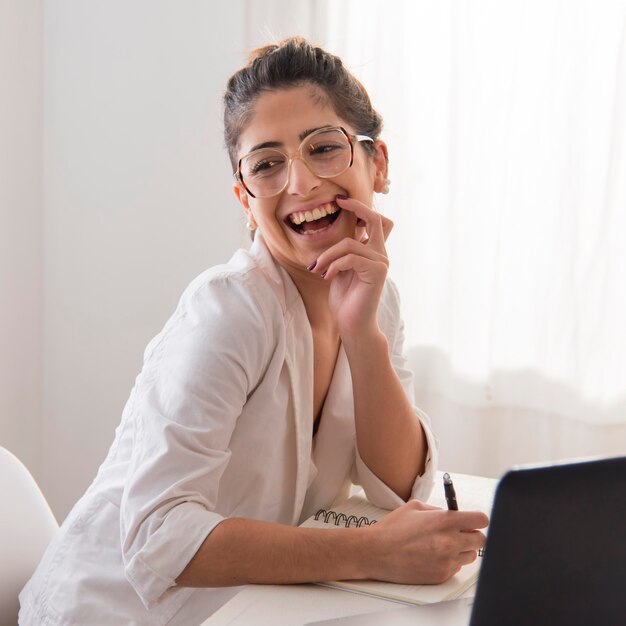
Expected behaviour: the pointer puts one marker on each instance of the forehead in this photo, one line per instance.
(282, 115)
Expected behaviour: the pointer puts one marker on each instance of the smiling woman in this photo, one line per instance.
(328, 162)
(256, 405)
(327, 152)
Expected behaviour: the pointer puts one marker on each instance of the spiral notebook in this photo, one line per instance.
(358, 512)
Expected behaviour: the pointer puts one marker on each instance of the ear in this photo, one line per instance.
(242, 196)
(381, 165)
(244, 200)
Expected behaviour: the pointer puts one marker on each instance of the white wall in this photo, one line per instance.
(137, 201)
(20, 228)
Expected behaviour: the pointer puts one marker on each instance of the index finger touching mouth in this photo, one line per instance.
(378, 227)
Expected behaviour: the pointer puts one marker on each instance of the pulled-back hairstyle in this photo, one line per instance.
(291, 63)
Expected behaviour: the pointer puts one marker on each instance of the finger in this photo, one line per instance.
(387, 226)
(467, 520)
(345, 247)
(467, 557)
(367, 269)
(422, 506)
(473, 540)
(375, 223)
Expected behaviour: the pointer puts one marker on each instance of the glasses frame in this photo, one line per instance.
(352, 140)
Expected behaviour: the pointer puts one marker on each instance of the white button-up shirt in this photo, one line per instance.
(219, 424)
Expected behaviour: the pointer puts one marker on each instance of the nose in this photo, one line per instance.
(301, 179)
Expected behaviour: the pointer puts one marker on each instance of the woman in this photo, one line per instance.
(278, 382)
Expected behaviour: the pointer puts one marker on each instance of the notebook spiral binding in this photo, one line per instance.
(339, 519)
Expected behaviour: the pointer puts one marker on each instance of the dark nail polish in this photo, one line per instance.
(310, 267)
(341, 197)
(323, 274)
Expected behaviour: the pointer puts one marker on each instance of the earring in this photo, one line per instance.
(250, 224)
(385, 188)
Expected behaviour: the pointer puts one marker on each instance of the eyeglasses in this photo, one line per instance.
(327, 152)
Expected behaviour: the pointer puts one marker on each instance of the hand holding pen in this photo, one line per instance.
(422, 542)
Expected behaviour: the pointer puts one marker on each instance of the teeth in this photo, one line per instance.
(315, 214)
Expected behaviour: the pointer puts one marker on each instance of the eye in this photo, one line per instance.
(321, 148)
(325, 149)
(265, 165)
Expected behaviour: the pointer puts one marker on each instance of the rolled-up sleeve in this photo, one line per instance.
(197, 374)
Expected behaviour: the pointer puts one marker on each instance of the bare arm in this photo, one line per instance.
(390, 438)
(414, 544)
(243, 551)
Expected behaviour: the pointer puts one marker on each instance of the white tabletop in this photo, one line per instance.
(294, 605)
(297, 605)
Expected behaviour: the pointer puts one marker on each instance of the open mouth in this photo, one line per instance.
(314, 221)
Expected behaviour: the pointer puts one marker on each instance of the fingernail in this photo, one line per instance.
(323, 274)
(310, 267)
(341, 197)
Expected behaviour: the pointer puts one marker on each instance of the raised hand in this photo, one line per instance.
(357, 270)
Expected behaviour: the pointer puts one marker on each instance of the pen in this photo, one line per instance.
(448, 488)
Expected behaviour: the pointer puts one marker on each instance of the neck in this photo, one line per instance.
(314, 292)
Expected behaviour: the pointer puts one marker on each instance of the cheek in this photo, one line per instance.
(361, 183)
(266, 216)
(264, 211)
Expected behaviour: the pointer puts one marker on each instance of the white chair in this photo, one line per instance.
(26, 527)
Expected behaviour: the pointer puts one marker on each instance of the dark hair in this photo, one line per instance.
(291, 63)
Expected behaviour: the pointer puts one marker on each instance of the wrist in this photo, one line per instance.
(367, 344)
(372, 555)
(364, 555)
(345, 554)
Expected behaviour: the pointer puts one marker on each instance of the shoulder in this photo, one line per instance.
(238, 291)
(228, 319)
(230, 308)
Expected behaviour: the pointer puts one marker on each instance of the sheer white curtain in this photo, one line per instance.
(506, 124)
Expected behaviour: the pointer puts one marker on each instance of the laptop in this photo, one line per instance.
(555, 554)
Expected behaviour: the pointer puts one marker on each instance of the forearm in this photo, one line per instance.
(415, 544)
(242, 551)
(389, 435)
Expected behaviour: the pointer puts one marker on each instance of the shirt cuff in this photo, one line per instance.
(153, 570)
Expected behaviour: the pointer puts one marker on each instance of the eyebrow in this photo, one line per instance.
(266, 144)
(304, 133)
(279, 144)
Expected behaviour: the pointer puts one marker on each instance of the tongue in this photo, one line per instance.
(316, 224)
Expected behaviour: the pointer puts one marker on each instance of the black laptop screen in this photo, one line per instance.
(556, 548)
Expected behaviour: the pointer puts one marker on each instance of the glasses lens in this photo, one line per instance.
(264, 172)
(327, 152)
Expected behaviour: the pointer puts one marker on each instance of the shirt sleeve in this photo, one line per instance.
(195, 380)
(375, 489)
